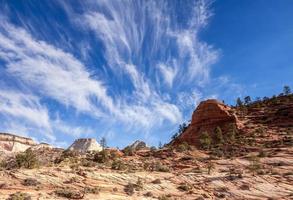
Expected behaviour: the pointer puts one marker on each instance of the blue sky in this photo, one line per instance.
(130, 70)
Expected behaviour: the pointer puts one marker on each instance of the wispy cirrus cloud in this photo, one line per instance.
(49, 70)
(152, 67)
(26, 109)
(168, 73)
(53, 73)
(144, 41)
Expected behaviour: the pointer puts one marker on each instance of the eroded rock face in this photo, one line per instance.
(84, 145)
(137, 145)
(13, 143)
(41, 146)
(208, 115)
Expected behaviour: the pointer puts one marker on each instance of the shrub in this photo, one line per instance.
(184, 187)
(205, 140)
(8, 164)
(69, 193)
(183, 147)
(148, 194)
(218, 136)
(128, 151)
(231, 134)
(102, 156)
(129, 189)
(30, 182)
(244, 187)
(235, 173)
(210, 166)
(255, 165)
(87, 163)
(69, 155)
(19, 196)
(118, 165)
(27, 159)
(139, 184)
(262, 154)
(92, 190)
(218, 152)
(161, 168)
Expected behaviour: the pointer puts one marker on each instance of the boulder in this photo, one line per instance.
(209, 115)
(84, 145)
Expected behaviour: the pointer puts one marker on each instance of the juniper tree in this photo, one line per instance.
(239, 103)
(205, 140)
(160, 145)
(103, 143)
(247, 100)
(231, 134)
(219, 136)
(286, 90)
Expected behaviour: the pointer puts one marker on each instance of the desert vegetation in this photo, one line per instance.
(240, 158)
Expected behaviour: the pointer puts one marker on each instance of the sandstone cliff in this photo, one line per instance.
(209, 115)
(14, 143)
(258, 123)
(84, 145)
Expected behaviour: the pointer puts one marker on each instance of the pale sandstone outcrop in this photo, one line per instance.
(41, 146)
(84, 145)
(14, 143)
(137, 145)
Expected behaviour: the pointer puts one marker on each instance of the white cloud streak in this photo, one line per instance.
(51, 71)
(56, 74)
(141, 41)
(25, 108)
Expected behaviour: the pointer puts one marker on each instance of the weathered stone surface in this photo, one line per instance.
(137, 145)
(208, 115)
(84, 145)
(13, 143)
(41, 146)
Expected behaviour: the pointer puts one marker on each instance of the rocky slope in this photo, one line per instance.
(162, 174)
(262, 170)
(261, 122)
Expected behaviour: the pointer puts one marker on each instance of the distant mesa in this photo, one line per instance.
(137, 145)
(84, 145)
(41, 146)
(13, 143)
(209, 115)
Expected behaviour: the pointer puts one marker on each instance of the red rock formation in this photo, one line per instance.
(208, 115)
